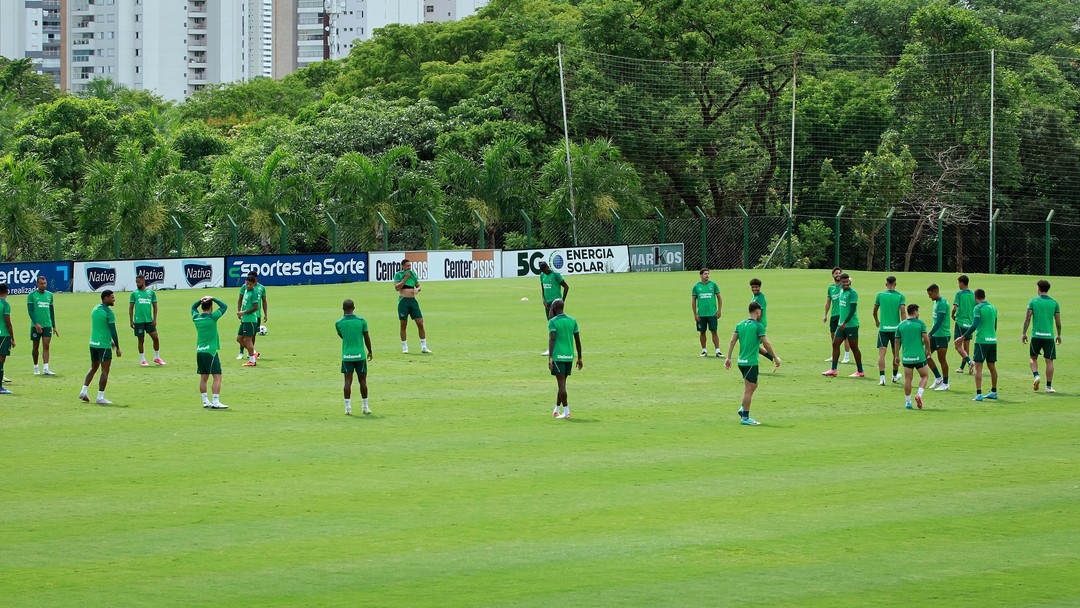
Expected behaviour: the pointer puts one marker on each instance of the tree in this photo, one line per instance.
(603, 182)
(26, 203)
(19, 79)
(254, 195)
(360, 187)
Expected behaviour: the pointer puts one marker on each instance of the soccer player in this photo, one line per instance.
(407, 285)
(553, 287)
(706, 304)
(832, 312)
(207, 362)
(1047, 315)
(42, 323)
(939, 338)
(750, 334)
(847, 329)
(963, 305)
(914, 345)
(755, 289)
(103, 339)
(561, 357)
(984, 327)
(353, 331)
(142, 314)
(7, 334)
(263, 314)
(891, 304)
(249, 320)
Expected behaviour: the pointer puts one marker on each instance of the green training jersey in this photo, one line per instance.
(251, 298)
(986, 333)
(941, 312)
(760, 299)
(889, 302)
(565, 329)
(834, 295)
(911, 332)
(551, 284)
(206, 328)
(706, 298)
(409, 282)
(100, 333)
(40, 303)
(144, 300)
(5, 311)
(965, 305)
(847, 298)
(1043, 309)
(351, 329)
(750, 333)
(260, 293)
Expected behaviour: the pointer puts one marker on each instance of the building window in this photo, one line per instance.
(429, 9)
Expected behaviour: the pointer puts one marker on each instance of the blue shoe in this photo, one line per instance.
(4, 391)
(750, 421)
(909, 406)
(991, 395)
(978, 398)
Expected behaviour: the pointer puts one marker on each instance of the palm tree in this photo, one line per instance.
(359, 187)
(602, 181)
(256, 195)
(25, 203)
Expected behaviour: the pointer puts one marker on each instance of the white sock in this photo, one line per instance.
(204, 399)
(364, 400)
(46, 366)
(217, 398)
(250, 358)
(143, 357)
(404, 344)
(35, 368)
(101, 394)
(920, 391)
(85, 390)
(348, 403)
(566, 412)
(907, 398)
(157, 354)
(423, 343)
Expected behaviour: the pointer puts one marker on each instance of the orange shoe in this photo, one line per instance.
(248, 364)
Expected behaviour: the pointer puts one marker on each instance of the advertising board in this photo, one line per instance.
(567, 261)
(22, 277)
(663, 257)
(176, 273)
(453, 265)
(299, 269)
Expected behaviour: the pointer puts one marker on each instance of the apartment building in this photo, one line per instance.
(31, 28)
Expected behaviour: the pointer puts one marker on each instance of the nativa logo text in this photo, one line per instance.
(198, 272)
(100, 276)
(153, 273)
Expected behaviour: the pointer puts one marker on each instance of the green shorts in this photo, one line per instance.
(547, 310)
(1046, 346)
(708, 323)
(408, 307)
(834, 322)
(985, 352)
(939, 342)
(5, 346)
(247, 328)
(562, 368)
(749, 373)
(848, 333)
(144, 328)
(886, 338)
(46, 332)
(916, 365)
(958, 330)
(354, 367)
(207, 364)
(100, 355)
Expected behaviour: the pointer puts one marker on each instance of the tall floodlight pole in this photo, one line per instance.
(566, 140)
(993, 234)
(791, 170)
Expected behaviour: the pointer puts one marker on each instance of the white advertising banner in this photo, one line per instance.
(119, 275)
(450, 265)
(567, 261)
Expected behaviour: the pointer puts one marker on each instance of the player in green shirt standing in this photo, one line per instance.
(207, 362)
(142, 314)
(1045, 312)
(42, 323)
(7, 334)
(563, 338)
(939, 338)
(553, 287)
(407, 284)
(891, 304)
(847, 329)
(103, 339)
(913, 343)
(263, 314)
(832, 312)
(750, 334)
(759, 297)
(962, 310)
(353, 331)
(706, 305)
(249, 319)
(984, 326)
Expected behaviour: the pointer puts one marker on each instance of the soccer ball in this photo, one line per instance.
(262, 330)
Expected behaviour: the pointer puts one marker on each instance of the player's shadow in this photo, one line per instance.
(575, 420)
(114, 405)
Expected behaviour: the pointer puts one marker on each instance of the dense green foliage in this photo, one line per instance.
(464, 120)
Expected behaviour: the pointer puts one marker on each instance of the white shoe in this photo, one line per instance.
(881, 381)
(103, 401)
(942, 387)
(36, 372)
(348, 410)
(1049, 390)
(84, 397)
(829, 360)
(218, 406)
(936, 382)
(897, 378)
(704, 353)
(846, 360)
(367, 411)
(719, 355)
(47, 372)
(545, 353)
(404, 350)
(206, 404)
(240, 356)
(425, 349)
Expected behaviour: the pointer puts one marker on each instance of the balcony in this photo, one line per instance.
(197, 24)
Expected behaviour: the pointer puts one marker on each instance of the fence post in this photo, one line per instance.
(663, 224)
(618, 227)
(58, 244)
(483, 229)
(790, 234)
(116, 243)
(385, 230)
(993, 240)
(528, 228)
(745, 237)
(1049, 217)
(704, 231)
(940, 234)
(434, 230)
(333, 232)
(179, 237)
(284, 234)
(234, 234)
(836, 238)
(157, 246)
(573, 221)
(888, 239)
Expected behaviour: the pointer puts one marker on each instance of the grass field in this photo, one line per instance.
(461, 490)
